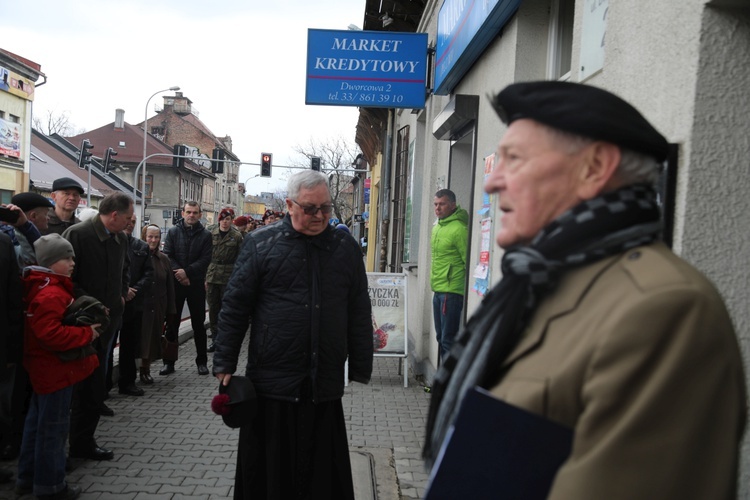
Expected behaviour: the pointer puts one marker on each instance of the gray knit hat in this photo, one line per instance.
(51, 248)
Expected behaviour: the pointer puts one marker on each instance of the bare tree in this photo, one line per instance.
(278, 202)
(55, 123)
(337, 157)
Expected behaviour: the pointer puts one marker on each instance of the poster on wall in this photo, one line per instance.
(482, 270)
(10, 138)
(388, 299)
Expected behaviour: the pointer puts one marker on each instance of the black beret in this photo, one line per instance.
(583, 110)
(67, 183)
(29, 201)
(236, 402)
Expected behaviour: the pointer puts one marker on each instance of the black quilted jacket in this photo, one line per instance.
(308, 302)
(189, 248)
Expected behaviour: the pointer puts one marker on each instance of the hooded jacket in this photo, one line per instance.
(47, 296)
(449, 241)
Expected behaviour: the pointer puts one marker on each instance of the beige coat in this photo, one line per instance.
(638, 355)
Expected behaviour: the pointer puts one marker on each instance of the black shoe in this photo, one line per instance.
(202, 370)
(168, 368)
(69, 493)
(131, 390)
(211, 348)
(106, 411)
(93, 453)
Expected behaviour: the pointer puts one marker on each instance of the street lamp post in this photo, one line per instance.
(145, 136)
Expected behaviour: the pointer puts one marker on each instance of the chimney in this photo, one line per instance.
(119, 119)
(181, 104)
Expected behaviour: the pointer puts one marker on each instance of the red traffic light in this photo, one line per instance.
(265, 164)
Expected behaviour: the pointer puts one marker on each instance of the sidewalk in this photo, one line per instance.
(168, 444)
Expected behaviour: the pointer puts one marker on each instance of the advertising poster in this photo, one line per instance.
(10, 138)
(388, 299)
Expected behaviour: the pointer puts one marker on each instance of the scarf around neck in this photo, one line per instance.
(609, 224)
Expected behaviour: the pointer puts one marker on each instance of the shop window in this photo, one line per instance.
(400, 185)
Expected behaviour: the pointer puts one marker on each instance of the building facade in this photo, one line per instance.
(18, 77)
(684, 64)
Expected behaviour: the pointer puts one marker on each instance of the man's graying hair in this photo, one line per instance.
(116, 202)
(307, 179)
(634, 167)
(447, 193)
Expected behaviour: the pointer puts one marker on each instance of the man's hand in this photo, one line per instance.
(181, 277)
(131, 294)
(21, 215)
(95, 331)
(224, 378)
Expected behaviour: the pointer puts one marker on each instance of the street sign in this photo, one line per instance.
(375, 69)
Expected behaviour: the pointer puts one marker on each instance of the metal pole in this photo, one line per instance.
(145, 136)
(88, 191)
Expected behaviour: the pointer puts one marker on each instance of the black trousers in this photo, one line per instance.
(130, 341)
(88, 395)
(195, 295)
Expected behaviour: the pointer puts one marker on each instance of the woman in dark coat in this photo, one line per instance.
(158, 303)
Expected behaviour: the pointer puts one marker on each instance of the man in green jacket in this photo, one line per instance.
(227, 240)
(448, 274)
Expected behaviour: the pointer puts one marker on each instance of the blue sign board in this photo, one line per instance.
(465, 29)
(372, 69)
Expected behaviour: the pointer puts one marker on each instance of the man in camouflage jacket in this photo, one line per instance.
(226, 240)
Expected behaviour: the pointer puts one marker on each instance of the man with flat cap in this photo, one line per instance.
(66, 193)
(36, 208)
(596, 324)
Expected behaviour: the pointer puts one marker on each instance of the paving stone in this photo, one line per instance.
(169, 445)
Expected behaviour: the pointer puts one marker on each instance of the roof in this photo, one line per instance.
(47, 163)
(131, 137)
(30, 66)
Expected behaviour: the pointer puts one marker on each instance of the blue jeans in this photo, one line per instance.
(446, 310)
(41, 464)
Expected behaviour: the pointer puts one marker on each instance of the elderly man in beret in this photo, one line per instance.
(36, 208)
(20, 230)
(66, 193)
(596, 324)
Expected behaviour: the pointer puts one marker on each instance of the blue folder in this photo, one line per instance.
(498, 451)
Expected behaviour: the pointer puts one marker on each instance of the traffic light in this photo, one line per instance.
(265, 164)
(84, 157)
(109, 161)
(178, 150)
(315, 163)
(217, 167)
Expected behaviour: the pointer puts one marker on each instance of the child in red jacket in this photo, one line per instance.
(48, 291)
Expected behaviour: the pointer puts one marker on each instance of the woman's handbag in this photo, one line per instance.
(168, 350)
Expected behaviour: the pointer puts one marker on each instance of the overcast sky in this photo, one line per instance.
(241, 63)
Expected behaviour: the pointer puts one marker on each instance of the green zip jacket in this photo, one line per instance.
(449, 242)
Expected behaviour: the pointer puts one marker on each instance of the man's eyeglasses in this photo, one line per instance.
(312, 210)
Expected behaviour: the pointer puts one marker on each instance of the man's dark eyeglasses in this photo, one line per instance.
(312, 210)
